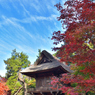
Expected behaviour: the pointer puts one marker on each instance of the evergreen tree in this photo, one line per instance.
(14, 65)
(39, 53)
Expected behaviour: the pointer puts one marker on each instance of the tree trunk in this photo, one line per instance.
(25, 88)
(23, 81)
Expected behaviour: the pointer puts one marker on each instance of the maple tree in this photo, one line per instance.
(78, 19)
(3, 87)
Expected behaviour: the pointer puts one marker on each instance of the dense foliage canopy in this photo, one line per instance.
(78, 19)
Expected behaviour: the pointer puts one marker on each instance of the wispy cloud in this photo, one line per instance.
(37, 8)
(25, 48)
(35, 19)
(20, 31)
(17, 26)
(21, 35)
(52, 17)
(25, 10)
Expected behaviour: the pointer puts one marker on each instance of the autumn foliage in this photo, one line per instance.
(78, 19)
(3, 87)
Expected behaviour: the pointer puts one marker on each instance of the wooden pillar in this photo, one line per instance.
(52, 93)
(32, 93)
(41, 93)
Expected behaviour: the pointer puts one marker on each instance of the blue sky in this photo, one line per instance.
(26, 25)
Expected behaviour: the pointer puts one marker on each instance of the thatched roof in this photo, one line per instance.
(44, 53)
(53, 64)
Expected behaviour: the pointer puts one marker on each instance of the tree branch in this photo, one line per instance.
(16, 93)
